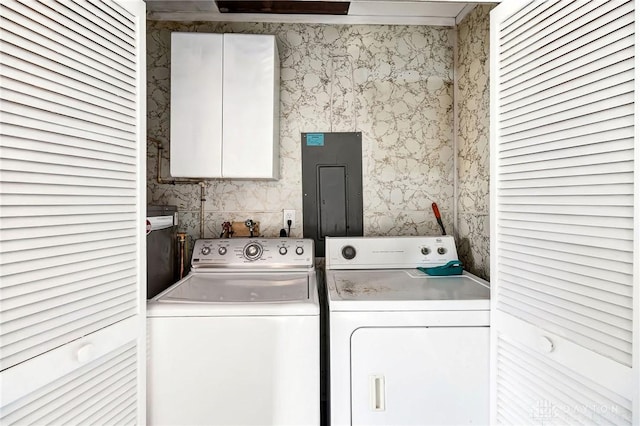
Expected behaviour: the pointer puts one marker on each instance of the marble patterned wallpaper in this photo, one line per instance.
(472, 111)
(392, 83)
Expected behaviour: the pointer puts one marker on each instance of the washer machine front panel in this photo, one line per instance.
(234, 370)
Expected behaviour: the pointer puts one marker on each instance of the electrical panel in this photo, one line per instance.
(331, 186)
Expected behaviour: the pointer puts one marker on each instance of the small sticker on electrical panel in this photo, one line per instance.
(315, 139)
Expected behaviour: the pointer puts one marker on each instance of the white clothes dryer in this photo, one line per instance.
(405, 347)
(236, 342)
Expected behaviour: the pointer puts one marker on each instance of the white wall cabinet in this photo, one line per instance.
(225, 106)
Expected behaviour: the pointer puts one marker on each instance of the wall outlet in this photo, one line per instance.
(288, 215)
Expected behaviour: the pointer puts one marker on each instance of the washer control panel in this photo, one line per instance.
(389, 252)
(253, 253)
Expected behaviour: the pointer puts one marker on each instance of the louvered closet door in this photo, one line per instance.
(72, 180)
(564, 212)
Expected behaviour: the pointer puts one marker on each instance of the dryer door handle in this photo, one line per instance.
(376, 392)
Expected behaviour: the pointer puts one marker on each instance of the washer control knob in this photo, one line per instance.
(348, 252)
(282, 250)
(222, 251)
(205, 250)
(442, 250)
(299, 251)
(425, 250)
(252, 251)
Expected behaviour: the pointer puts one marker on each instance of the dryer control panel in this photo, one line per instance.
(389, 252)
(290, 253)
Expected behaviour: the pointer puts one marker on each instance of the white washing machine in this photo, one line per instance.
(405, 347)
(236, 342)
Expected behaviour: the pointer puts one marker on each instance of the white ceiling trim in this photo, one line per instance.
(302, 19)
(464, 12)
(447, 13)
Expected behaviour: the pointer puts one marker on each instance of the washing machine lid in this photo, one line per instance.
(239, 288)
(405, 289)
(210, 294)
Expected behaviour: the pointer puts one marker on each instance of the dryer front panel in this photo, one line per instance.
(420, 376)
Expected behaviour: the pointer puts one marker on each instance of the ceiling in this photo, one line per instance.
(400, 12)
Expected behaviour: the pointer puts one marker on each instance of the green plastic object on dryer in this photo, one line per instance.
(453, 267)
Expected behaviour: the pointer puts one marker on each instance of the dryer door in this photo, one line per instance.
(420, 376)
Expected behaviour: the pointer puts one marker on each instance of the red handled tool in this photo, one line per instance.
(436, 212)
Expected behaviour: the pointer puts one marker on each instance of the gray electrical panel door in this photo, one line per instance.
(331, 186)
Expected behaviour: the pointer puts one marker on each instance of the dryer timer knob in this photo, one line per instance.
(348, 252)
(299, 251)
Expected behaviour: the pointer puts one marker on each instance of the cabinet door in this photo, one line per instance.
(196, 105)
(420, 376)
(564, 209)
(251, 107)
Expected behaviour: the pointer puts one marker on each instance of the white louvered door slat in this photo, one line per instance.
(72, 178)
(17, 16)
(565, 34)
(64, 148)
(24, 64)
(18, 92)
(564, 212)
(56, 128)
(88, 13)
(110, 15)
